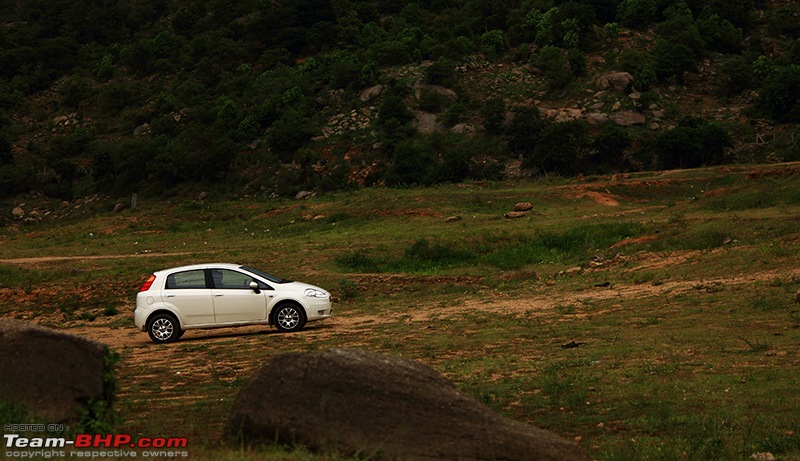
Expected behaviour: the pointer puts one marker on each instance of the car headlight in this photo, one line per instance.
(314, 293)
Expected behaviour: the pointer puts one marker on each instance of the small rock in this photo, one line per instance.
(119, 207)
(370, 93)
(766, 456)
(202, 196)
(144, 128)
(18, 212)
(453, 219)
(523, 206)
(797, 297)
(515, 214)
(303, 194)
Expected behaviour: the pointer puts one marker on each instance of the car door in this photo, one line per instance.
(234, 300)
(190, 296)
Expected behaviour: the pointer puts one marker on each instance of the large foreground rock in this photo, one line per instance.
(49, 374)
(358, 402)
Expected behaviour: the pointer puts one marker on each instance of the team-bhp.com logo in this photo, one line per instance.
(124, 445)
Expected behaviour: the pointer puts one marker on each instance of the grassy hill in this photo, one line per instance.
(645, 315)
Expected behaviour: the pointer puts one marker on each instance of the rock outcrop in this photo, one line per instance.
(52, 376)
(354, 401)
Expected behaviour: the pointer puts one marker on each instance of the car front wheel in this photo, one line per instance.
(289, 318)
(164, 328)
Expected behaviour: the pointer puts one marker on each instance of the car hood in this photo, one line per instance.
(297, 287)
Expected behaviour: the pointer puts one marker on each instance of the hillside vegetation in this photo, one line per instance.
(274, 97)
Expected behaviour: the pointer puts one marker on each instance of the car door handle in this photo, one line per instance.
(219, 295)
(169, 296)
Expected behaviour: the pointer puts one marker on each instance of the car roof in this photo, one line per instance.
(202, 266)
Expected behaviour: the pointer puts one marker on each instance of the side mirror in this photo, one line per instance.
(254, 287)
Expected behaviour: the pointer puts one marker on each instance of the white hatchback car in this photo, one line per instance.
(224, 295)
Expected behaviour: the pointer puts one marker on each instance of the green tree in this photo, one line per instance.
(562, 148)
(524, 130)
(736, 76)
(494, 115)
(288, 134)
(693, 143)
(394, 117)
(6, 154)
(672, 59)
(719, 34)
(104, 70)
(493, 43)
(637, 13)
(779, 97)
(609, 149)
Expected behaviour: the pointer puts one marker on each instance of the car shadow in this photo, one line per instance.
(191, 336)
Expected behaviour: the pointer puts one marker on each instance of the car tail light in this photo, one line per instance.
(148, 283)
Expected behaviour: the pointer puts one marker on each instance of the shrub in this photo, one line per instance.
(358, 261)
(347, 289)
(645, 77)
(555, 66)
(441, 72)
(632, 60)
(432, 101)
(423, 255)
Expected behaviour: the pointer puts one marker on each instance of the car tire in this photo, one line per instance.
(164, 328)
(289, 317)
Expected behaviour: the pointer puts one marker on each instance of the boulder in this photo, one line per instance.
(51, 375)
(617, 81)
(463, 128)
(628, 118)
(426, 123)
(596, 118)
(358, 402)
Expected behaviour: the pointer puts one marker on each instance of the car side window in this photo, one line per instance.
(232, 280)
(186, 280)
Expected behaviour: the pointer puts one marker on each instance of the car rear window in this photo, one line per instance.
(186, 280)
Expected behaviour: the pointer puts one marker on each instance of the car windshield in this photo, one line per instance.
(263, 274)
